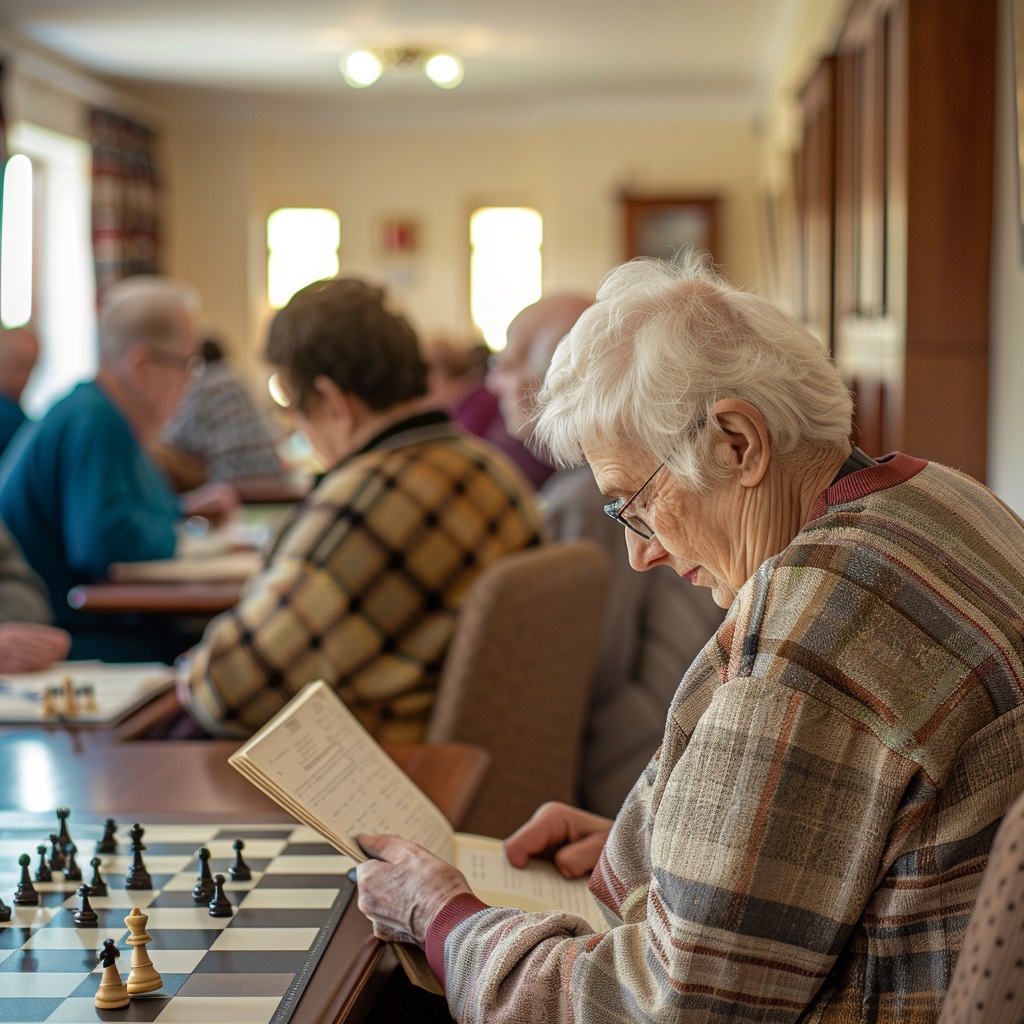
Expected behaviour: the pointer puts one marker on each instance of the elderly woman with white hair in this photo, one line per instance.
(808, 841)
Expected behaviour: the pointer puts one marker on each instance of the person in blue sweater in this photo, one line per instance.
(19, 351)
(77, 490)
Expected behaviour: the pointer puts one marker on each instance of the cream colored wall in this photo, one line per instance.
(224, 180)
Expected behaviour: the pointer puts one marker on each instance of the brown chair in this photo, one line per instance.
(988, 981)
(518, 676)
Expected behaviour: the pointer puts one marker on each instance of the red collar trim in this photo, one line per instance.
(889, 471)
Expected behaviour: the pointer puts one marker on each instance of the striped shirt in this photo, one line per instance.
(808, 841)
(363, 586)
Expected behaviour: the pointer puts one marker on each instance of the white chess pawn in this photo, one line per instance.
(144, 977)
(111, 995)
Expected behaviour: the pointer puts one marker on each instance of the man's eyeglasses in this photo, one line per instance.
(620, 511)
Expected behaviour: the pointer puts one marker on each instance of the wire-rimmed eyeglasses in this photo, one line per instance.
(620, 511)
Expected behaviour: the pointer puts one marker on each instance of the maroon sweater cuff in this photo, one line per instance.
(453, 913)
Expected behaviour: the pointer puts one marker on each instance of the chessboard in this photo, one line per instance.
(247, 968)
(80, 692)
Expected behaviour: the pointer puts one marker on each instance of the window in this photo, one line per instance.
(16, 251)
(303, 248)
(62, 291)
(505, 267)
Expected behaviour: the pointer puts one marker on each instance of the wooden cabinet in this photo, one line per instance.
(911, 111)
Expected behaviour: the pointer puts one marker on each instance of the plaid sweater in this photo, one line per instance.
(363, 586)
(808, 841)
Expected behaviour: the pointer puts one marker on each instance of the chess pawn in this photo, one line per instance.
(108, 844)
(72, 872)
(97, 884)
(57, 858)
(220, 905)
(239, 871)
(203, 889)
(43, 872)
(144, 977)
(48, 709)
(112, 994)
(25, 893)
(85, 916)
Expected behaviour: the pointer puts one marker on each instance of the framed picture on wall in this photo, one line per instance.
(660, 226)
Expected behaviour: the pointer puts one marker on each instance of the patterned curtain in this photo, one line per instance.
(125, 199)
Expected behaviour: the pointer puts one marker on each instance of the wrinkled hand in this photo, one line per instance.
(403, 891)
(214, 501)
(572, 838)
(25, 646)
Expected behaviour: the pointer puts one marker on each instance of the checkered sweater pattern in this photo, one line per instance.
(808, 841)
(363, 587)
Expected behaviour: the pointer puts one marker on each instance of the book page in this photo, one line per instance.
(324, 760)
(537, 887)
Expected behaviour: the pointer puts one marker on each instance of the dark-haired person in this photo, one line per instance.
(362, 587)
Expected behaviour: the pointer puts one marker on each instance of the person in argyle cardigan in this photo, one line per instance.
(362, 586)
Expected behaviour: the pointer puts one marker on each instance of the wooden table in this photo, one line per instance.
(156, 598)
(192, 781)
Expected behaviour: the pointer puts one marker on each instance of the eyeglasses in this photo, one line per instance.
(617, 510)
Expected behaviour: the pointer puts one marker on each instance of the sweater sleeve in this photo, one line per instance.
(765, 835)
(119, 508)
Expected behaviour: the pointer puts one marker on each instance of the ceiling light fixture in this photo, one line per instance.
(362, 68)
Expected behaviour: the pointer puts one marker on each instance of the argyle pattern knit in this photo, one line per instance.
(808, 841)
(363, 587)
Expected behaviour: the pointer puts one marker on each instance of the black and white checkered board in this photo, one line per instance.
(246, 969)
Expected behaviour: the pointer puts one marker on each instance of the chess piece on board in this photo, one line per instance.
(108, 844)
(85, 916)
(97, 884)
(239, 871)
(203, 889)
(57, 858)
(144, 977)
(220, 905)
(89, 703)
(63, 836)
(138, 877)
(69, 706)
(112, 994)
(43, 872)
(5, 911)
(72, 872)
(48, 707)
(25, 893)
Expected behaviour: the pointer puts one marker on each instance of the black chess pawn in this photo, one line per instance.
(57, 858)
(108, 844)
(25, 893)
(43, 872)
(5, 911)
(72, 872)
(239, 871)
(63, 836)
(138, 877)
(203, 889)
(97, 884)
(85, 916)
(220, 905)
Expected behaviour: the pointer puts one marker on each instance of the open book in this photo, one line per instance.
(321, 765)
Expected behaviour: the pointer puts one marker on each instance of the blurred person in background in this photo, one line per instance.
(19, 352)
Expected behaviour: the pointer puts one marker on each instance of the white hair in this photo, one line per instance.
(144, 310)
(665, 341)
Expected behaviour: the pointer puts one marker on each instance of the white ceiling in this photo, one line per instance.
(523, 55)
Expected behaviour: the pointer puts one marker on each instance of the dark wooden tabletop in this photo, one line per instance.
(156, 598)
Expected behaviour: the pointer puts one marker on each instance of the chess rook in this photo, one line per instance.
(144, 977)
(43, 872)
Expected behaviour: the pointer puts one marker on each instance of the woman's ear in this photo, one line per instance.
(336, 402)
(744, 447)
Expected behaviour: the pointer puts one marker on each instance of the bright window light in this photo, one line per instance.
(444, 70)
(361, 69)
(16, 250)
(303, 246)
(505, 267)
